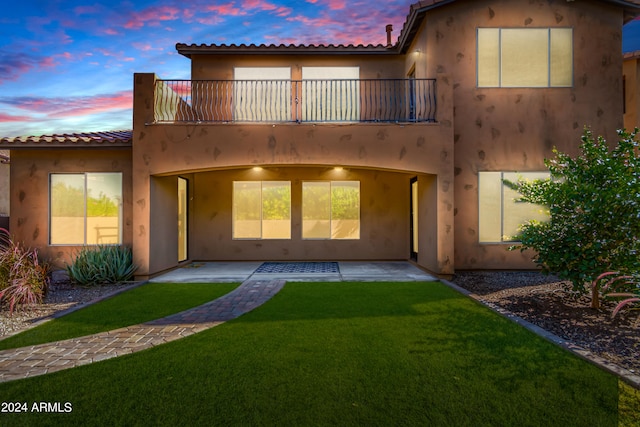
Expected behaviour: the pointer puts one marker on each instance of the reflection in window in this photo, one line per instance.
(500, 212)
(262, 94)
(85, 209)
(261, 210)
(525, 57)
(331, 210)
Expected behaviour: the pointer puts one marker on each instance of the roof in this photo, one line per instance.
(417, 12)
(118, 138)
(272, 49)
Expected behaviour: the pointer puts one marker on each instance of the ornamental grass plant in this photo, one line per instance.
(102, 264)
(24, 279)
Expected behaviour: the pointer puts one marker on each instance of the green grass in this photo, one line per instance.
(147, 302)
(348, 354)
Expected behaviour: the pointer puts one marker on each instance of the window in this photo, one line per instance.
(262, 94)
(525, 57)
(85, 209)
(331, 94)
(331, 210)
(261, 210)
(500, 214)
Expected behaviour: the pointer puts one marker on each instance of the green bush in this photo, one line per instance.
(102, 264)
(594, 206)
(23, 278)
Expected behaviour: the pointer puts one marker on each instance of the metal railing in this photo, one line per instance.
(276, 101)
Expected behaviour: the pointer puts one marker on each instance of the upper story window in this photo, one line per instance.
(262, 94)
(525, 57)
(331, 94)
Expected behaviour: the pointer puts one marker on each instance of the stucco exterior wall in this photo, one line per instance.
(170, 150)
(30, 192)
(515, 129)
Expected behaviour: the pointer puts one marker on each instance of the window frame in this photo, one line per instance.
(85, 188)
(503, 239)
(262, 219)
(332, 221)
(549, 64)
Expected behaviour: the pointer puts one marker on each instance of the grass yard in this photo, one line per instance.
(348, 354)
(147, 302)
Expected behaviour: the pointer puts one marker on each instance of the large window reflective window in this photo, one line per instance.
(85, 209)
(331, 210)
(330, 93)
(525, 57)
(262, 94)
(262, 210)
(500, 211)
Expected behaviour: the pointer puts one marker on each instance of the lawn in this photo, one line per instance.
(147, 302)
(348, 354)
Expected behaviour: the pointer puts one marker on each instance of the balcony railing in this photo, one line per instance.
(277, 101)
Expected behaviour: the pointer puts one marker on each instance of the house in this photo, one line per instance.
(325, 152)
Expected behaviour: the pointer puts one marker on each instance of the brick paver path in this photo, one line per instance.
(44, 358)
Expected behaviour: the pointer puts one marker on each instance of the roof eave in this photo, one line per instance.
(190, 50)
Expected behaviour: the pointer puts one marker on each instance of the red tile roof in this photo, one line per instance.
(118, 138)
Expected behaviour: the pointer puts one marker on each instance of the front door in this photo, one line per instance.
(413, 220)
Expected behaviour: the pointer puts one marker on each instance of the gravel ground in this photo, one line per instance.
(542, 300)
(551, 304)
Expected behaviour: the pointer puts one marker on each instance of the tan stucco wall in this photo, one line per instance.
(515, 129)
(4, 186)
(384, 229)
(165, 150)
(30, 192)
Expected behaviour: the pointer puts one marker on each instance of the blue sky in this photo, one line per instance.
(67, 66)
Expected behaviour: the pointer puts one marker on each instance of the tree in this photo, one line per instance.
(594, 211)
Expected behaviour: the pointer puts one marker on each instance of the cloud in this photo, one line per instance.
(152, 16)
(227, 9)
(14, 65)
(73, 106)
(5, 118)
(266, 6)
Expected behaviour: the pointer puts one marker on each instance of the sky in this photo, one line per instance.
(66, 66)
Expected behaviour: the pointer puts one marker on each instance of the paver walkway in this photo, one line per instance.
(45, 358)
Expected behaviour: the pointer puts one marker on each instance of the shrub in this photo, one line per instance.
(102, 264)
(23, 278)
(594, 207)
(624, 288)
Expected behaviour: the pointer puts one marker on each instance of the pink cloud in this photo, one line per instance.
(152, 16)
(227, 9)
(72, 106)
(146, 47)
(5, 118)
(266, 6)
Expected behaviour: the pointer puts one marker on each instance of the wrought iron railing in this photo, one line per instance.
(274, 101)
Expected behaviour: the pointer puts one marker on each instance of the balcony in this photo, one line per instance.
(296, 101)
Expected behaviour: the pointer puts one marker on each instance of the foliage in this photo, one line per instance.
(619, 286)
(23, 278)
(594, 207)
(102, 264)
(339, 353)
(70, 202)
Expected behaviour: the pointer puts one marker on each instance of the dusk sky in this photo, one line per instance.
(67, 66)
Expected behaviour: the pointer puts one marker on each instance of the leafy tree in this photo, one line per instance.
(594, 208)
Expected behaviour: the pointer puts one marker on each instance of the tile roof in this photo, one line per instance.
(243, 49)
(118, 138)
